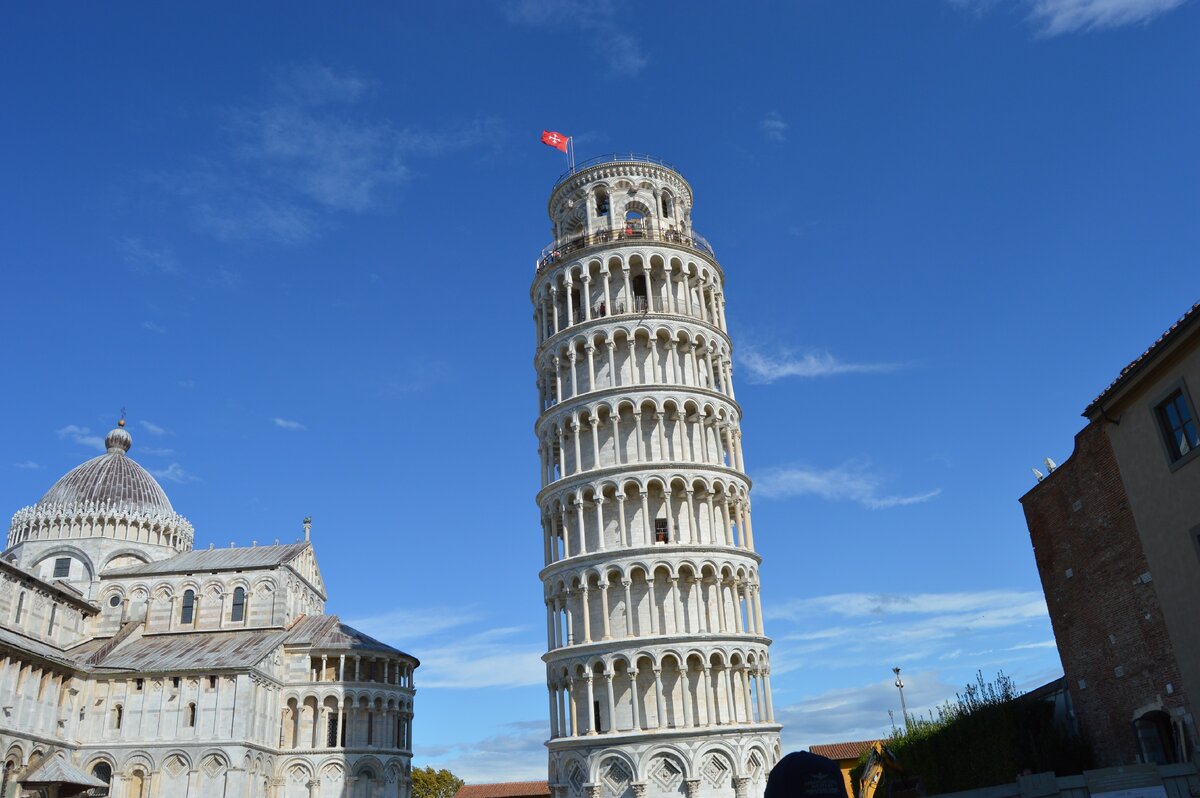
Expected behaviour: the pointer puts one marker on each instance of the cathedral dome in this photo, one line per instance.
(112, 481)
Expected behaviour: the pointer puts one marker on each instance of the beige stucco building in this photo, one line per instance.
(133, 659)
(1116, 533)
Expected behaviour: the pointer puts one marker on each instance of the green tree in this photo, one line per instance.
(430, 783)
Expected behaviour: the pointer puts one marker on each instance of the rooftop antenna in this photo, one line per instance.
(307, 528)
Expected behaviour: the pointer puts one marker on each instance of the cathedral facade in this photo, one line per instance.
(134, 666)
(657, 661)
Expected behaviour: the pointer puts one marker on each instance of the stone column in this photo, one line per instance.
(599, 502)
(604, 607)
(659, 703)
(710, 713)
(587, 613)
(621, 513)
(591, 703)
(612, 701)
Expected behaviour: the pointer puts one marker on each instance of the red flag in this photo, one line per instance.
(556, 140)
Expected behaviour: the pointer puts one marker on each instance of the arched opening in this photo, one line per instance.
(118, 716)
(238, 613)
(188, 608)
(1156, 738)
(102, 771)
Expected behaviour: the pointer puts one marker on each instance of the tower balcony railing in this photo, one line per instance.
(614, 157)
(557, 251)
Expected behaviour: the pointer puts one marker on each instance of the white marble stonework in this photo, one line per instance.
(657, 663)
(168, 671)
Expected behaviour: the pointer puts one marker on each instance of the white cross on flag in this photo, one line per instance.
(556, 140)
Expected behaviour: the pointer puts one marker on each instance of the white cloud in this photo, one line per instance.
(858, 713)
(152, 428)
(318, 84)
(767, 368)
(879, 605)
(415, 623)
(82, 436)
(852, 481)
(154, 328)
(142, 257)
(849, 630)
(622, 52)
(27, 465)
(288, 424)
(155, 451)
(1057, 17)
(773, 127)
(175, 473)
(305, 154)
(490, 658)
(517, 755)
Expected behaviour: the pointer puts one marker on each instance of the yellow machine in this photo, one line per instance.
(898, 783)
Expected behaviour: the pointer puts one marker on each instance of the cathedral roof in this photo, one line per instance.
(328, 632)
(204, 651)
(59, 770)
(112, 481)
(217, 560)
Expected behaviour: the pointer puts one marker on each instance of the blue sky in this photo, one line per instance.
(296, 241)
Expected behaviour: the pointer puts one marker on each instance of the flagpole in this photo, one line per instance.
(571, 154)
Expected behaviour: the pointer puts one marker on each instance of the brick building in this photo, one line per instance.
(1116, 535)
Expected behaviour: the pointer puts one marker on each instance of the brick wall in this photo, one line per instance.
(1115, 650)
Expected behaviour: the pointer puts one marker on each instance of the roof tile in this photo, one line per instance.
(842, 750)
(506, 789)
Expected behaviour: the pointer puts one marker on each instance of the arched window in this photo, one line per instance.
(20, 607)
(191, 715)
(50, 623)
(189, 606)
(9, 767)
(601, 202)
(239, 605)
(668, 205)
(118, 714)
(102, 771)
(1156, 738)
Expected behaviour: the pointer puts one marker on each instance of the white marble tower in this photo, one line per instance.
(657, 664)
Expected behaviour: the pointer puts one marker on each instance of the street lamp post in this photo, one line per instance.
(900, 687)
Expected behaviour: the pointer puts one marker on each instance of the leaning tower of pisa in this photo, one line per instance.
(657, 665)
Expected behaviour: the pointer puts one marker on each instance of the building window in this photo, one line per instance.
(191, 716)
(1178, 424)
(118, 711)
(331, 739)
(212, 682)
(20, 607)
(239, 605)
(175, 682)
(660, 531)
(140, 684)
(62, 568)
(189, 606)
(53, 617)
(114, 600)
